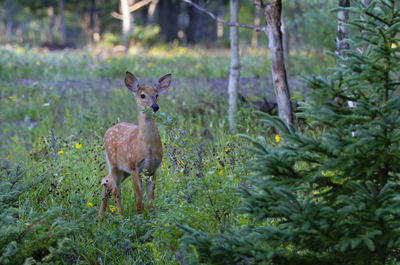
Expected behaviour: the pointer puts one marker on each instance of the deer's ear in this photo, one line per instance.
(163, 83)
(131, 82)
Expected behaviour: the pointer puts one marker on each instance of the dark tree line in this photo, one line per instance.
(82, 22)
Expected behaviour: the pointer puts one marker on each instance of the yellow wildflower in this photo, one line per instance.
(10, 64)
(220, 172)
(227, 150)
(109, 61)
(149, 64)
(170, 89)
(78, 145)
(8, 157)
(38, 63)
(197, 66)
(39, 140)
(90, 205)
(112, 208)
(12, 98)
(277, 138)
(60, 152)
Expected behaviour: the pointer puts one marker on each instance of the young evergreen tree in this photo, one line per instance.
(329, 194)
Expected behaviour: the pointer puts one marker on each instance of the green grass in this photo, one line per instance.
(60, 184)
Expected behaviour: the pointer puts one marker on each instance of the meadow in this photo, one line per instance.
(54, 110)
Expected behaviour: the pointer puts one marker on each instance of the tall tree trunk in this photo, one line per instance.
(52, 20)
(285, 39)
(150, 11)
(257, 22)
(168, 19)
(234, 72)
(63, 32)
(342, 32)
(126, 22)
(272, 13)
(92, 20)
(214, 24)
(193, 15)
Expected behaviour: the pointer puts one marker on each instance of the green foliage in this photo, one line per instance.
(146, 35)
(329, 194)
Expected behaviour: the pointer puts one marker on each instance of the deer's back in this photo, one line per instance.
(119, 142)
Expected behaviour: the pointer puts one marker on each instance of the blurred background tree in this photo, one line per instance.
(91, 21)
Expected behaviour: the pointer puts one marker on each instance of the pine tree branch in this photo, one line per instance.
(377, 18)
(223, 21)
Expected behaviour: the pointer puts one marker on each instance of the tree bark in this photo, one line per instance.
(63, 32)
(126, 22)
(272, 13)
(234, 72)
(342, 32)
(285, 39)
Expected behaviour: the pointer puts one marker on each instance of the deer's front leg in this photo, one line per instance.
(137, 185)
(150, 186)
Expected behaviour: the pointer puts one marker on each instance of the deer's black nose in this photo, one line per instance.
(155, 107)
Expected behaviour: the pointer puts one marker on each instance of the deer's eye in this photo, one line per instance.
(142, 95)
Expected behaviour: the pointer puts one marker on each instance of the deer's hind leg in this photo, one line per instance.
(109, 186)
(137, 185)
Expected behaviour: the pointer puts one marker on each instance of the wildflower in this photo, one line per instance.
(112, 208)
(149, 64)
(197, 66)
(37, 63)
(90, 205)
(277, 138)
(220, 172)
(96, 62)
(12, 98)
(8, 157)
(60, 152)
(227, 150)
(39, 140)
(170, 89)
(109, 61)
(78, 145)
(10, 64)
(136, 67)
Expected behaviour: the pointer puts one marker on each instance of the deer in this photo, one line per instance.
(134, 149)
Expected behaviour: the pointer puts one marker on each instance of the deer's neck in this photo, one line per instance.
(147, 128)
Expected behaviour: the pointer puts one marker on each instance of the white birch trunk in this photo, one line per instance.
(234, 72)
(342, 32)
(126, 22)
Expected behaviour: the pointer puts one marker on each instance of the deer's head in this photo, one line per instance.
(146, 96)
